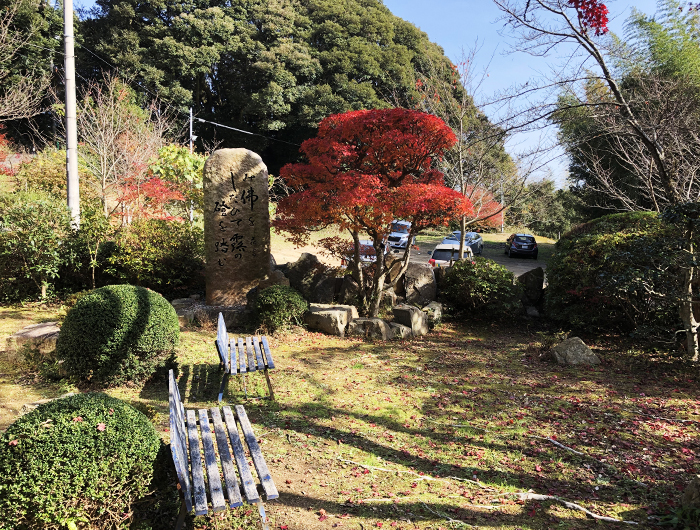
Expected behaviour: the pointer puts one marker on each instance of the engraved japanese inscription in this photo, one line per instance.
(236, 225)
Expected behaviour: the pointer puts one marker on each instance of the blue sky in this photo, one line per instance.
(458, 24)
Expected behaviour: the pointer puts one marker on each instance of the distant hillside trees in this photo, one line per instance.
(275, 67)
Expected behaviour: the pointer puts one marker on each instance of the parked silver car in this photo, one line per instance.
(398, 236)
(471, 239)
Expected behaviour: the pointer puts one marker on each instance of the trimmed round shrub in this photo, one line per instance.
(481, 285)
(278, 306)
(75, 462)
(118, 333)
(619, 272)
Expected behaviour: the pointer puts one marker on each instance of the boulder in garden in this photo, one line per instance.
(573, 351)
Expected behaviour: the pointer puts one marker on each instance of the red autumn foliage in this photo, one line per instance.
(366, 168)
(592, 14)
(149, 199)
(359, 167)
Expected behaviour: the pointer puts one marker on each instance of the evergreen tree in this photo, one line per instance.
(273, 67)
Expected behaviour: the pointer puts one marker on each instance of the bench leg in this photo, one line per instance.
(223, 387)
(269, 385)
(181, 517)
(245, 387)
(263, 517)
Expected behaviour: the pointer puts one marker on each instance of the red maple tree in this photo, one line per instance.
(366, 168)
(148, 199)
(591, 14)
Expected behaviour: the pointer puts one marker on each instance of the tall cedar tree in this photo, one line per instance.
(364, 169)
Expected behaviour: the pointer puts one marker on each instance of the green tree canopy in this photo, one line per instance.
(274, 67)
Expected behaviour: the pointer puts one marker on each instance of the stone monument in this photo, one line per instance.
(236, 225)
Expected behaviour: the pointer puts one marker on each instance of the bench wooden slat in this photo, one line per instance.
(222, 342)
(258, 353)
(216, 493)
(268, 356)
(249, 489)
(251, 355)
(176, 406)
(179, 454)
(241, 355)
(178, 446)
(234, 356)
(233, 491)
(200, 492)
(256, 454)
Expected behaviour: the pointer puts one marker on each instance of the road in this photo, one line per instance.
(492, 251)
(285, 252)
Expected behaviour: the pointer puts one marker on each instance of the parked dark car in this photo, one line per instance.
(521, 245)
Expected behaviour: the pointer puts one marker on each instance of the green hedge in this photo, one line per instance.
(34, 235)
(118, 333)
(166, 256)
(279, 306)
(481, 286)
(75, 462)
(617, 272)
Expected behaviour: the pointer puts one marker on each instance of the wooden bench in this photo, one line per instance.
(185, 438)
(242, 355)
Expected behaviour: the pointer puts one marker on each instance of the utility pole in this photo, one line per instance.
(72, 183)
(192, 139)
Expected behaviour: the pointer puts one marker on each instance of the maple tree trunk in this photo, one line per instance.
(357, 268)
(375, 300)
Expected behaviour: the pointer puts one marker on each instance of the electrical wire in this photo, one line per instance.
(146, 89)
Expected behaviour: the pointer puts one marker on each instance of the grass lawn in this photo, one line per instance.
(446, 431)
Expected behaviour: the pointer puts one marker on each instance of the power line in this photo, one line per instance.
(245, 132)
(146, 89)
(186, 114)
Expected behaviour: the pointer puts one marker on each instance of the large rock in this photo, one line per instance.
(399, 331)
(38, 337)
(305, 274)
(349, 290)
(419, 284)
(691, 495)
(331, 319)
(370, 328)
(325, 289)
(180, 303)
(413, 318)
(236, 225)
(393, 265)
(573, 351)
(235, 317)
(533, 284)
(434, 313)
(388, 298)
(275, 277)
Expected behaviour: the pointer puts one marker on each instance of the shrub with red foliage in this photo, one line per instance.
(149, 199)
